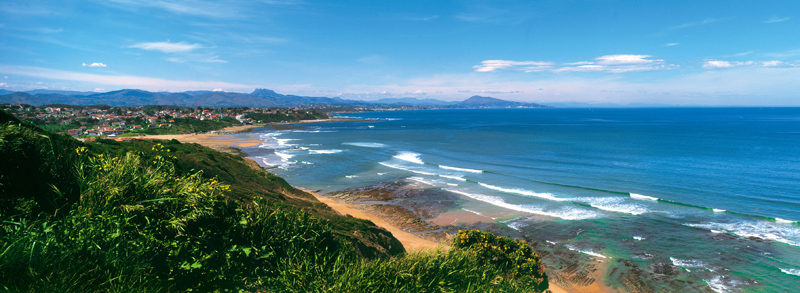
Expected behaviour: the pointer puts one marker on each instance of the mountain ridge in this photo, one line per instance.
(258, 98)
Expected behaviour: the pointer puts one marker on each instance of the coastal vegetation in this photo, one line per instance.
(162, 216)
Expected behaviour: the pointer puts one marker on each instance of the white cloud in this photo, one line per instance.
(772, 63)
(671, 44)
(607, 64)
(96, 64)
(493, 65)
(775, 19)
(625, 59)
(217, 90)
(167, 47)
(6, 77)
(146, 83)
(3, 84)
(715, 64)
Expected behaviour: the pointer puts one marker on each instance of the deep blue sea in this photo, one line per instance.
(713, 191)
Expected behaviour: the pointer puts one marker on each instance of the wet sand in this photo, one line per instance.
(410, 241)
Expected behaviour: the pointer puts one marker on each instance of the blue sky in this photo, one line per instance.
(670, 52)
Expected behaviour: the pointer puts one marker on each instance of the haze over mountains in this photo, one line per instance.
(258, 98)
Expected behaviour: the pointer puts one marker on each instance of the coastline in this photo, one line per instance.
(221, 141)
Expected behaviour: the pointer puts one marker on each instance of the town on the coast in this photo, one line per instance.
(110, 122)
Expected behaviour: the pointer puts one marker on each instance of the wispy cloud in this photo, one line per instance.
(671, 44)
(507, 13)
(717, 64)
(697, 23)
(784, 54)
(167, 47)
(424, 18)
(96, 64)
(217, 9)
(494, 65)
(738, 54)
(148, 83)
(775, 19)
(608, 64)
(373, 60)
(207, 58)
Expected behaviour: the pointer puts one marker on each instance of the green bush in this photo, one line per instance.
(514, 257)
(137, 225)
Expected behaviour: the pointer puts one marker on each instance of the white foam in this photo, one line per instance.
(686, 264)
(409, 157)
(453, 177)
(285, 141)
(779, 220)
(613, 204)
(421, 180)
(313, 131)
(474, 212)
(324, 152)
(381, 174)
(644, 197)
(522, 192)
(460, 169)
(452, 184)
(585, 251)
(717, 231)
(515, 226)
(284, 156)
(639, 238)
(406, 169)
(722, 284)
(780, 232)
(569, 214)
(371, 126)
(366, 144)
(718, 210)
(551, 242)
(795, 272)
(351, 176)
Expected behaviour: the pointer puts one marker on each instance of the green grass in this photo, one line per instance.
(166, 217)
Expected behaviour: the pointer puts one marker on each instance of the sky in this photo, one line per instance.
(715, 53)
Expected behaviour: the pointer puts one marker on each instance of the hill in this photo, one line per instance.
(163, 216)
(489, 102)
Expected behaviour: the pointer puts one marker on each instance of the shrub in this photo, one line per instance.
(514, 257)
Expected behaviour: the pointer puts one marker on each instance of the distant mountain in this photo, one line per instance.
(5, 92)
(66, 93)
(489, 102)
(258, 98)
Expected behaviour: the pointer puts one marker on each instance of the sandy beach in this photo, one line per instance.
(220, 140)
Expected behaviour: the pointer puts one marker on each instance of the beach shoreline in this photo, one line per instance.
(222, 141)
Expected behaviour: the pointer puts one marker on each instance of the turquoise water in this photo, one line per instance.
(712, 191)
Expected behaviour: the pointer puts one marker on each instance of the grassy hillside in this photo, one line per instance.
(165, 216)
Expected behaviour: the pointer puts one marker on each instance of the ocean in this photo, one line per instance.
(713, 193)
